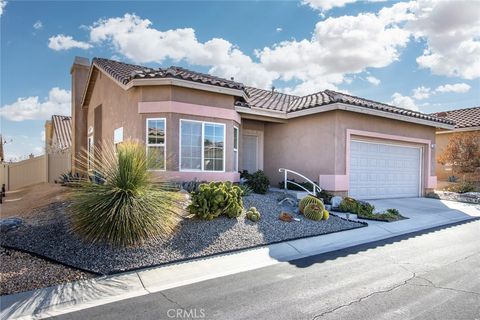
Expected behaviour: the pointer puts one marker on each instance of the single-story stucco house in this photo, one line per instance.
(211, 128)
(466, 120)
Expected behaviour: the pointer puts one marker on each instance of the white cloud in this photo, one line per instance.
(456, 88)
(134, 38)
(403, 101)
(452, 32)
(279, 29)
(31, 108)
(38, 25)
(339, 46)
(373, 80)
(42, 135)
(63, 42)
(3, 3)
(324, 5)
(422, 92)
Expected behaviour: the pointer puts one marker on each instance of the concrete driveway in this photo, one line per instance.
(424, 213)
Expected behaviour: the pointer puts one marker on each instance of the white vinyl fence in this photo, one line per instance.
(45, 168)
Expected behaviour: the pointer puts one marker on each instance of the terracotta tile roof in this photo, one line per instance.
(62, 126)
(257, 98)
(125, 72)
(268, 99)
(463, 118)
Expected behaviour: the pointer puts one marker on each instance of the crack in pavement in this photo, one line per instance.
(433, 285)
(365, 297)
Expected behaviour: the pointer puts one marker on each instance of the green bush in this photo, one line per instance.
(326, 196)
(308, 200)
(461, 187)
(258, 182)
(191, 186)
(126, 207)
(246, 190)
(314, 211)
(253, 214)
(364, 208)
(215, 199)
(348, 205)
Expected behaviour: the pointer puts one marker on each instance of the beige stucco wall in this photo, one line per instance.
(305, 145)
(120, 109)
(79, 75)
(316, 144)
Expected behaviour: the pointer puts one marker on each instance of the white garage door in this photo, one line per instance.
(383, 171)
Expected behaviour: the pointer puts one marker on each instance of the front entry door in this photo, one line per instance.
(250, 153)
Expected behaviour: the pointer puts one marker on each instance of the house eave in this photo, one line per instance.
(466, 129)
(185, 84)
(345, 107)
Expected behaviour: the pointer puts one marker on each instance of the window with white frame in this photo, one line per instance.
(155, 141)
(235, 149)
(202, 146)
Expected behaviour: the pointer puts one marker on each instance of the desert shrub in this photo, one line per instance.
(348, 205)
(325, 196)
(452, 179)
(127, 207)
(69, 179)
(215, 199)
(308, 200)
(364, 208)
(461, 187)
(244, 174)
(258, 181)
(314, 211)
(291, 186)
(192, 186)
(246, 190)
(326, 214)
(253, 214)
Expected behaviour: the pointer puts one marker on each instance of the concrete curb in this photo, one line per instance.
(83, 294)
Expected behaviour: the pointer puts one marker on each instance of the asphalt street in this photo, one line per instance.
(433, 274)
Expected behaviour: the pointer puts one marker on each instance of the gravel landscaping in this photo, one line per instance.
(49, 236)
(22, 272)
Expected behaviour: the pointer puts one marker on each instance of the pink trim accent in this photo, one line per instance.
(188, 108)
(429, 180)
(432, 182)
(334, 182)
(200, 176)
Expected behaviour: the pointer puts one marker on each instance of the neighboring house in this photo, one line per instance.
(466, 120)
(58, 134)
(58, 145)
(204, 127)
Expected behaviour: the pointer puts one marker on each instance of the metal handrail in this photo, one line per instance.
(285, 181)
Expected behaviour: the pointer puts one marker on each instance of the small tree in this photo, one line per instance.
(462, 152)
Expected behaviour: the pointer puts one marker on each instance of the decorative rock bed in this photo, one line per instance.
(468, 197)
(49, 236)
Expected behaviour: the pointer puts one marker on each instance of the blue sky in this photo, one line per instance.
(423, 55)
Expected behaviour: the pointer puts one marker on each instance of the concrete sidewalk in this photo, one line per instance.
(422, 213)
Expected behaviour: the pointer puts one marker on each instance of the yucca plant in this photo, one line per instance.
(121, 204)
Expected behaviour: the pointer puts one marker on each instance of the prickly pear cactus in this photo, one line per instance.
(253, 214)
(215, 199)
(314, 211)
(308, 200)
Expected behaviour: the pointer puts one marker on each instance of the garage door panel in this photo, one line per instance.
(383, 170)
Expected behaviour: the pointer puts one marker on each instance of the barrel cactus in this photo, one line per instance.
(326, 214)
(308, 200)
(253, 214)
(314, 211)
